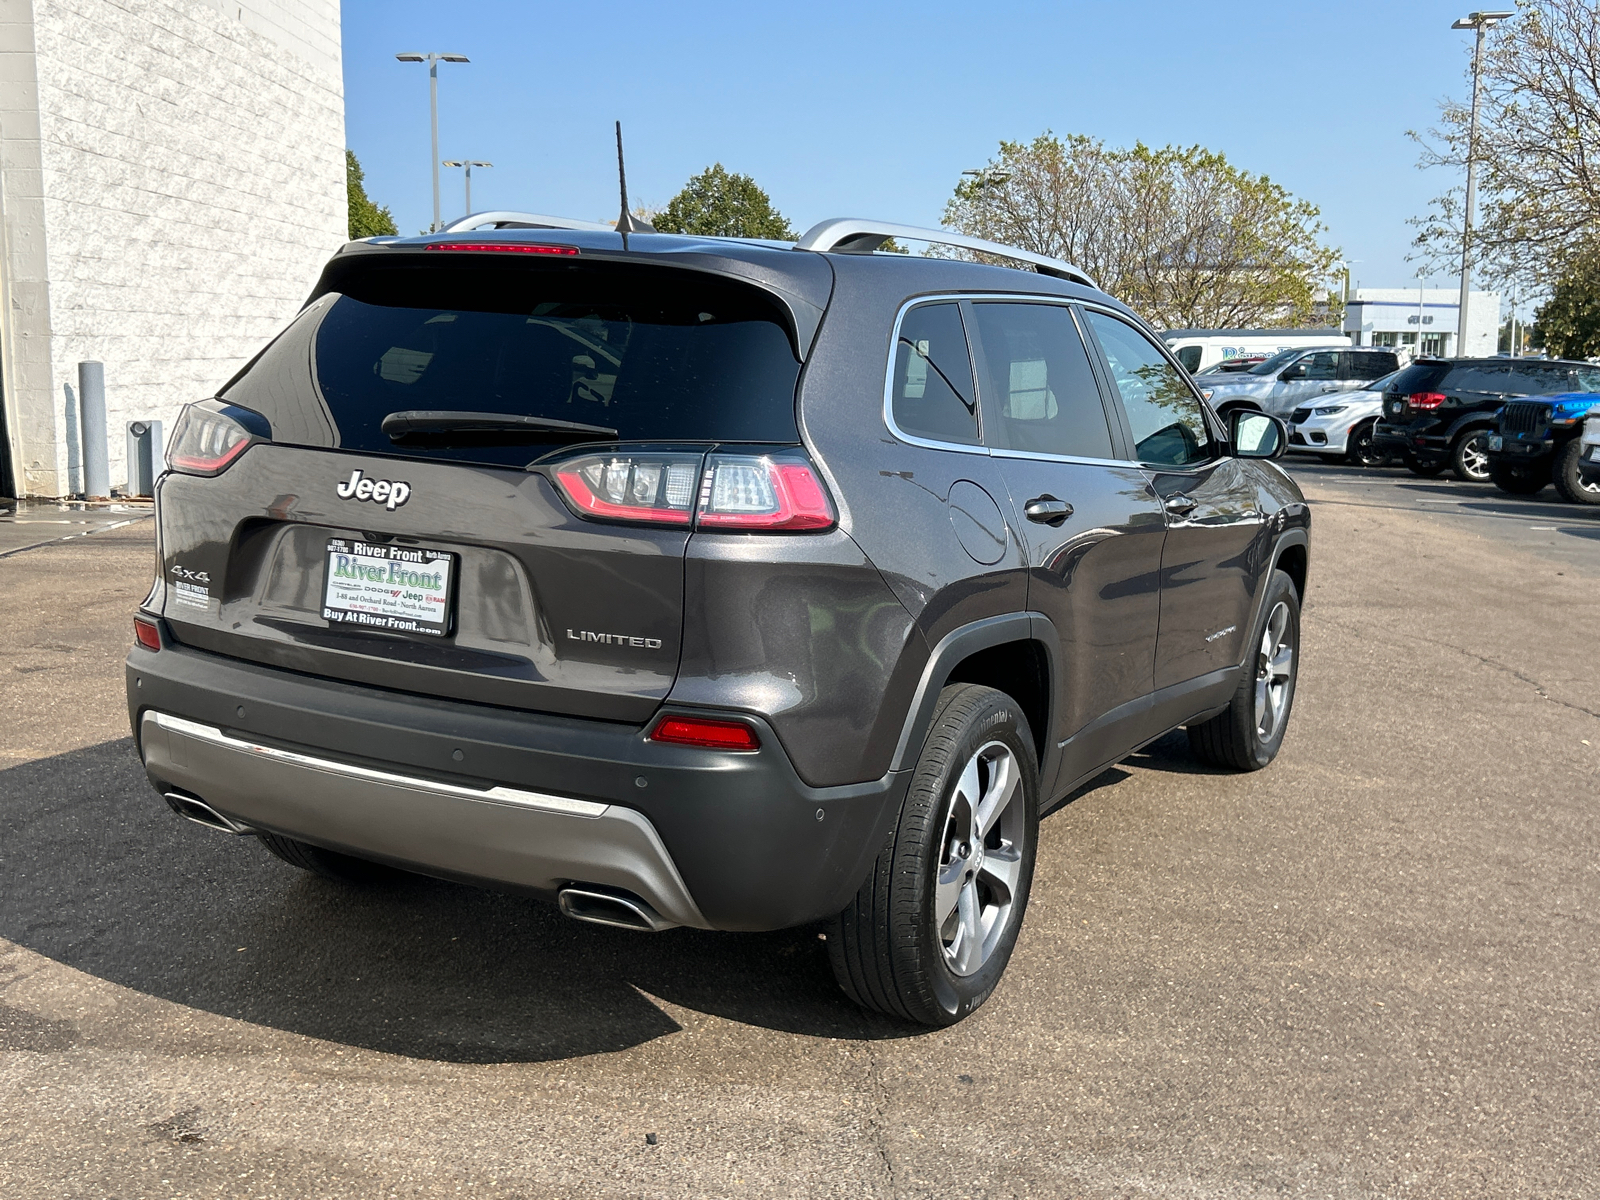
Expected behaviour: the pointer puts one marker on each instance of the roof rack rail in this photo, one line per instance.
(859, 235)
(501, 219)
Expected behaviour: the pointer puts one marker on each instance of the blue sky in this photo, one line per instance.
(874, 109)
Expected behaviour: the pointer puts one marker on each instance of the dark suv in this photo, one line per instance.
(1440, 413)
(707, 582)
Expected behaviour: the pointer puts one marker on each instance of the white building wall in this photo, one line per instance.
(1397, 310)
(193, 184)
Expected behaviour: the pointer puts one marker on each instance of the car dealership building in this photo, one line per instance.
(171, 179)
(1425, 320)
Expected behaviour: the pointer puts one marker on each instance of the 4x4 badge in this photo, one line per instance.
(390, 492)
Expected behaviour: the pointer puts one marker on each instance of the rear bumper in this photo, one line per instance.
(518, 800)
(1402, 439)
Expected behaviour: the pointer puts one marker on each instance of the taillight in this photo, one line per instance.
(211, 435)
(146, 633)
(704, 732)
(762, 492)
(504, 248)
(1426, 399)
(632, 487)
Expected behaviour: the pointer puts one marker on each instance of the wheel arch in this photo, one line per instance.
(1015, 654)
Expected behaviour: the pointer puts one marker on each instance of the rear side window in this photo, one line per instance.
(932, 394)
(1369, 366)
(1039, 391)
(655, 355)
(1515, 379)
(1190, 357)
(1169, 426)
(1322, 365)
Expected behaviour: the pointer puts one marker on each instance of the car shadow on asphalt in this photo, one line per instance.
(96, 873)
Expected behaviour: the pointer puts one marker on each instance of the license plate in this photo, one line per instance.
(1496, 443)
(396, 589)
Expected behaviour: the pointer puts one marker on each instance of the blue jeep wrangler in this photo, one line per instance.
(1535, 442)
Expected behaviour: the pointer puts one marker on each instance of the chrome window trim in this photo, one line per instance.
(888, 384)
(965, 448)
(515, 797)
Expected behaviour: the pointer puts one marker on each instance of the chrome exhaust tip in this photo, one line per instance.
(192, 808)
(618, 909)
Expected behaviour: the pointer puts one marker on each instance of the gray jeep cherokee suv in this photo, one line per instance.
(705, 582)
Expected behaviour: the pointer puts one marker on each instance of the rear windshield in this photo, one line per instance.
(656, 355)
(1507, 378)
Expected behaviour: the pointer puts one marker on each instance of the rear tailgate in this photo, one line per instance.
(447, 564)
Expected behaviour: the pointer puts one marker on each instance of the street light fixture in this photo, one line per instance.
(468, 163)
(433, 61)
(987, 177)
(1478, 21)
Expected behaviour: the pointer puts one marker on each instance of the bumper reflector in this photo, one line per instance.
(712, 735)
(146, 633)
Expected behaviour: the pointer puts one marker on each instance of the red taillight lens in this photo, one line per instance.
(733, 492)
(713, 735)
(632, 487)
(749, 492)
(1426, 399)
(146, 633)
(210, 436)
(504, 247)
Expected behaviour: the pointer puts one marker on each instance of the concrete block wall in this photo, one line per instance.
(192, 184)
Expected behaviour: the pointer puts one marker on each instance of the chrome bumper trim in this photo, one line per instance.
(493, 795)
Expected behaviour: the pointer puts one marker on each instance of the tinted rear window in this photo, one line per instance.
(657, 355)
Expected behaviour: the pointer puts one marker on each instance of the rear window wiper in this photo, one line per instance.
(429, 425)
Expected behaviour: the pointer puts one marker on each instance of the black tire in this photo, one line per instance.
(329, 864)
(1234, 737)
(1359, 450)
(1564, 474)
(1427, 471)
(1469, 456)
(888, 948)
(1518, 481)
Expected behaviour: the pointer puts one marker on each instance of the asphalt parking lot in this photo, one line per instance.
(1368, 971)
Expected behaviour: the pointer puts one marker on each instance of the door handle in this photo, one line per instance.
(1178, 504)
(1047, 510)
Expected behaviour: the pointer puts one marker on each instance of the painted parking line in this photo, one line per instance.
(1543, 528)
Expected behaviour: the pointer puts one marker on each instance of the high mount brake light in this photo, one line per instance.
(732, 492)
(210, 437)
(504, 248)
(706, 733)
(749, 492)
(1426, 399)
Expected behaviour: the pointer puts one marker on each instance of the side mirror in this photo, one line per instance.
(1290, 374)
(1256, 435)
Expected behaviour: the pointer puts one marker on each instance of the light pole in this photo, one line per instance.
(433, 61)
(1478, 21)
(468, 163)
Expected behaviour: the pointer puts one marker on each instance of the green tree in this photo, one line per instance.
(366, 218)
(1538, 127)
(1181, 234)
(1568, 324)
(716, 203)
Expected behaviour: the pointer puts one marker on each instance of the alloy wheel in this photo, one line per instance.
(1475, 456)
(980, 861)
(1274, 672)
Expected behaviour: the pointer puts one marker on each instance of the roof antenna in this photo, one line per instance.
(627, 223)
